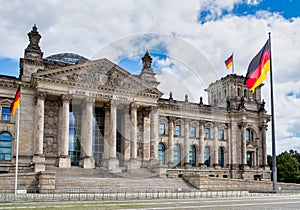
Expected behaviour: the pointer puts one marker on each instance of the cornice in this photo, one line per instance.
(99, 88)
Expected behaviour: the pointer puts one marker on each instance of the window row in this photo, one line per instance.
(177, 158)
(208, 132)
(193, 131)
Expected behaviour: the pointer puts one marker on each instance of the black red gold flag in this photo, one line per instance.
(229, 62)
(258, 68)
(14, 106)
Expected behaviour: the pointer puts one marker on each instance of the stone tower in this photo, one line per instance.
(33, 56)
(147, 74)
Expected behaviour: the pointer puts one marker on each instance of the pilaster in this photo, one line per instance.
(215, 145)
(186, 141)
(201, 145)
(244, 144)
(170, 150)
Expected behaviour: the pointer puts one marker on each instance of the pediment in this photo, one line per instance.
(98, 74)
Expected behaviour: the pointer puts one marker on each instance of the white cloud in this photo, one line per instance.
(91, 27)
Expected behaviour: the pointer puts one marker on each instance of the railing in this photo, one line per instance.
(33, 195)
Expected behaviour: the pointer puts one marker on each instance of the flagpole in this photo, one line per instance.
(17, 151)
(274, 168)
(232, 64)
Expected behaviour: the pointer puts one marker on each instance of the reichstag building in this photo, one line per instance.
(85, 113)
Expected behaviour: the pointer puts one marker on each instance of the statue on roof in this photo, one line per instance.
(147, 60)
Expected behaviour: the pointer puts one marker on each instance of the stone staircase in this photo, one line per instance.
(100, 178)
(114, 183)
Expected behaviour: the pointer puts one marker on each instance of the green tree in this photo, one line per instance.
(288, 167)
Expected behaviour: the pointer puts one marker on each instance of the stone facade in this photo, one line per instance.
(96, 114)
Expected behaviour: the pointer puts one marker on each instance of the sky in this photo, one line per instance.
(188, 40)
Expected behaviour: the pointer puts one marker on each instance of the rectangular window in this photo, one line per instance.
(249, 135)
(207, 133)
(193, 131)
(5, 114)
(162, 129)
(249, 159)
(221, 134)
(178, 130)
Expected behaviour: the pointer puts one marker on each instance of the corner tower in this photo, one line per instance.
(147, 74)
(33, 56)
(231, 93)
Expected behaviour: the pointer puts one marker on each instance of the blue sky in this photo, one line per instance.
(189, 41)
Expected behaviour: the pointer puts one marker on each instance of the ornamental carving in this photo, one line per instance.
(51, 127)
(88, 77)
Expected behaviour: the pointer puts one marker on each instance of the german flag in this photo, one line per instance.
(14, 106)
(229, 62)
(258, 67)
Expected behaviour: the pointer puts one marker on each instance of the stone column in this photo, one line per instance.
(133, 163)
(170, 150)
(186, 142)
(87, 160)
(38, 158)
(126, 131)
(83, 133)
(113, 163)
(154, 132)
(146, 136)
(106, 135)
(215, 145)
(133, 117)
(64, 160)
(201, 145)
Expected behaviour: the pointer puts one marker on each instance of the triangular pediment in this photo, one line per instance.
(97, 74)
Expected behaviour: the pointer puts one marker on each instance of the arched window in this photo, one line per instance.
(177, 155)
(207, 156)
(5, 146)
(249, 135)
(221, 156)
(161, 153)
(192, 155)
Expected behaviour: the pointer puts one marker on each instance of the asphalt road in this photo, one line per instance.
(272, 202)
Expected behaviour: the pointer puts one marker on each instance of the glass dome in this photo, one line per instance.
(67, 58)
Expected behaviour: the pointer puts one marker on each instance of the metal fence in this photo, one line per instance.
(33, 195)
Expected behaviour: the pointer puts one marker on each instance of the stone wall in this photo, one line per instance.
(41, 181)
(204, 182)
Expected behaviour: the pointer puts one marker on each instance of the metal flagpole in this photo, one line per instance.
(274, 168)
(17, 150)
(232, 64)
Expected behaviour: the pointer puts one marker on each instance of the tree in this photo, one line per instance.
(288, 167)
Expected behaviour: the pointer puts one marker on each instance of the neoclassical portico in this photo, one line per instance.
(129, 111)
